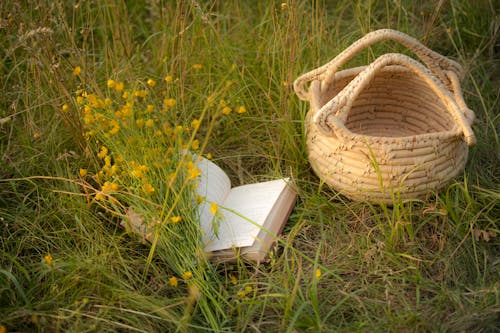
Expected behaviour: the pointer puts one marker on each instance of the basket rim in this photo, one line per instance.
(317, 90)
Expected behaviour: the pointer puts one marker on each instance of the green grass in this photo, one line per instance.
(427, 265)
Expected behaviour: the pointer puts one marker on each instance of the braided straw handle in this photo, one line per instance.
(437, 63)
(333, 115)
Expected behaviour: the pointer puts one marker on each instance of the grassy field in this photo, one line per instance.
(97, 99)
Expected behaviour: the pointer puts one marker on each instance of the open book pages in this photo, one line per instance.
(248, 217)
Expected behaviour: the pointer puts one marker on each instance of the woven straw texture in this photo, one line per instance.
(392, 129)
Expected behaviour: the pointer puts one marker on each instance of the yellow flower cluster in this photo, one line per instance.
(48, 259)
(174, 281)
(107, 188)
(193, 171)
(226, 109)
(126, 117)
(138, 141)
(244, 292)
(213, 208)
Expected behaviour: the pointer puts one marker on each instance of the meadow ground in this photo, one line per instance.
(97, 100)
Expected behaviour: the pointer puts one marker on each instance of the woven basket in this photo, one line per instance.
(394, 129)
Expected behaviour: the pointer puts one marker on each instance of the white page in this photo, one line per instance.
(253, 201)
(214, 185)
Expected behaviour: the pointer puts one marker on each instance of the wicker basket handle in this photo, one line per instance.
(437, 63)
(333, 115)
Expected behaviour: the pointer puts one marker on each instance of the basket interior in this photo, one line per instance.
(396, 103)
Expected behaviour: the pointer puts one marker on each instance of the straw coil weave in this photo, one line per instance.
(392, 129)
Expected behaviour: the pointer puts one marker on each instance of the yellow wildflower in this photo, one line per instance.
(194, 173)
(169, 102)
(109, 187)
(150, 108)
(197, 66)
(113, 170)
(77, 71)
(92, 98)
(318, 273)
(125, 94)
(195, 123)
(148, 188)
(140, 93)
(187, 275)
(83, 172)
(149, 123)
(248, 289)
(173, 281)
(196, 144)
(233, 279)
(169, 78)
(103, 152)
(111, 83)
(36, 135)
(88, 119)
(87, 109)
(241, 293)
(119, 114)
(178, 129)
(140, 122)
(213, 208)
(48, 259)
(137, 172)
(99, 117)
(99, 176)
(284, 6)
(209, 156)
(226, 110)
(151, 83)
(241, 109)
(65, 107)
(176, 219)
(127, 109)
(100, 196)
(115, 129)
(119, 86)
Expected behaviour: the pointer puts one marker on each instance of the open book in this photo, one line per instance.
(247, 218)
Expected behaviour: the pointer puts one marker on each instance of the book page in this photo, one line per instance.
(254, 202)
(213, 185)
